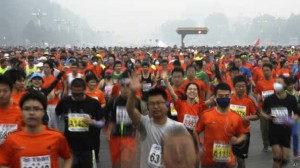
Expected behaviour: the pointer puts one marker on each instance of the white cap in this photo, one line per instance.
(40, 64)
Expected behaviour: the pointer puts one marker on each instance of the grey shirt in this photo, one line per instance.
(151, 134)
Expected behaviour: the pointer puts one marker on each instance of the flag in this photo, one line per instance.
(257, 43)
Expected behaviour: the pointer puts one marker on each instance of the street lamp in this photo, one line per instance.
(39, 15)
(59, 22)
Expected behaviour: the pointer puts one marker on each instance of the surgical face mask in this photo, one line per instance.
(95, 63)
(223, 102)
(278, 87)
(156, 63)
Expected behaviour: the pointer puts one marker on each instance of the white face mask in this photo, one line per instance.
(95, 63)
(278, 87)
(156, 63)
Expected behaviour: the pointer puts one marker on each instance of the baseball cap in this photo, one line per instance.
(36, 75)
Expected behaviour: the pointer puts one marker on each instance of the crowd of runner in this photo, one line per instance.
(158, 107)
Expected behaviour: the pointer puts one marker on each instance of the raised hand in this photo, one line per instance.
(135, 83)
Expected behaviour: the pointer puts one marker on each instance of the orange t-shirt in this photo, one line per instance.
(188, 114)
(257, 74)
(218, 129)
(97, 94)
(264, 88)
(244, 107)
(53, 98)
(21, 149)
(286, 72)
(10, 120)
(17, 96)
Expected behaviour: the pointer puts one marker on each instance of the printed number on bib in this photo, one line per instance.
(5, 129)
(154, 159)
(146, 87)
(173, 110)
(241, 110)
(76, 124)
(267, 93)
(190, 121)
(221, 152)
(280, 114)
(122, 115)
(36, 162)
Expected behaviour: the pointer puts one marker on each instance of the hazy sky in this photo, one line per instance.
(142, 18)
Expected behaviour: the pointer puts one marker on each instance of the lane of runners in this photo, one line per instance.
(152, 107)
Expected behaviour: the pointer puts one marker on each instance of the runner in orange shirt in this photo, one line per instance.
(24, 148)
(189, 110)
(245, 107)
(204, 93)
(263, 89)
(93, 91)
(10, 113)
(17, 76)
(222, 128)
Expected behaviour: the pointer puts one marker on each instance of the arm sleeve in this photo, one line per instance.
(58, 108)
(98, 112)
(265, 105)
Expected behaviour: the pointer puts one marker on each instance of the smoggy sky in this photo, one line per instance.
(134, 19)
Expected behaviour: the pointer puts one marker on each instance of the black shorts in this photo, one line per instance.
(280, 137)
(241, 150)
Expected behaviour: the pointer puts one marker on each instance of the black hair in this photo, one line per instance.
(268, 65)
(290, 80)
(145, 63)
(199, 63)
(90, 77)
(190, 66)
(38, 96)
(285, 79)
(238, 79)
(125, 74)
(15, 74)
(117, 62)
(176, 63)
(180, 70)
(282, 62)
(50, 63)
(6, 81)
(157, 92)
(217, 72)
(78, 82)
(234, 68)
(112, 55)
(63, 58)
(164, 61)
(222, 86)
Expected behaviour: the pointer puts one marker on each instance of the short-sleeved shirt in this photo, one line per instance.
(152, 134)
(21, 149)
(218, 130)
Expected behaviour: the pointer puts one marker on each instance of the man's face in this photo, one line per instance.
(238, 62)
(77, 93)
(85, 59)
(267, 71)
(157, 106)
(190, 73)
(177, 78)
(240, 88)
(145, 68)
(234, 74)
(5, 93)
(74, 68)
(223, 93)
(118, 68)
(20, 84)
(92, 84)
(32, 113)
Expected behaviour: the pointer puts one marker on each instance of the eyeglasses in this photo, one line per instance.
(153, 104)
(33, 109)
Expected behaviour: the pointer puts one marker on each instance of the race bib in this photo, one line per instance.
(154, 159)
(146, 87)
(36, 162)
(221, 152)
(241, 110)
(5, 129)
(76, 123)
(122, 115)
(108, 89)
(190, 121)
(286, 74)
(280, 113)
(173, 110)
(267, 93)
